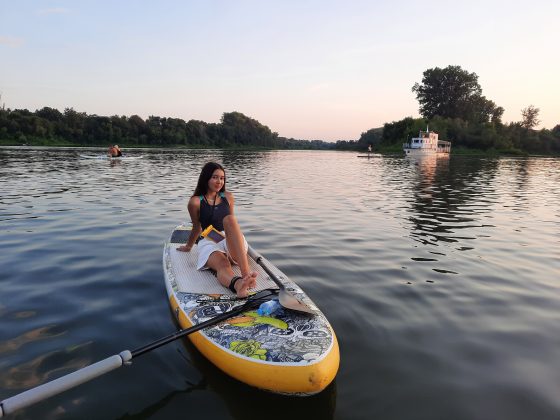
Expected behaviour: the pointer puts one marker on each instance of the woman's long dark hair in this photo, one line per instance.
(205, 175)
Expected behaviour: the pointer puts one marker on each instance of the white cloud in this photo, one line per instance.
(11, 41)
(53, 11)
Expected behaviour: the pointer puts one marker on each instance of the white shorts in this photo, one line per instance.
(207, 246)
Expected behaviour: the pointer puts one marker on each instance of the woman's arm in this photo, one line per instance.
(194, 212)
(231, 201)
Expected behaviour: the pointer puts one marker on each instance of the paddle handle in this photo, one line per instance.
(259, 260)
(64, 383)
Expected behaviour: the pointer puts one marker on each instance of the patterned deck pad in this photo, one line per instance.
(286, 337)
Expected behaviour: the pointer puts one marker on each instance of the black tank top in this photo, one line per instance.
(214, 215)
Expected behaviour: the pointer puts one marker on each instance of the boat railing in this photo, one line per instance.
(423, 146)
(444, 146)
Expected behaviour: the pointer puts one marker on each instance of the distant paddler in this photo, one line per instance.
(114, 151)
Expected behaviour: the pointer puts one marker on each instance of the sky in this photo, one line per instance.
(307, 69)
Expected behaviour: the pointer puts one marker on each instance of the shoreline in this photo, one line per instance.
(384, 152)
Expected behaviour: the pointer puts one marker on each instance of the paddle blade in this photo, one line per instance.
(287, 300)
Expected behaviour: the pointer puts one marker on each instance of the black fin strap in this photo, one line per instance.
(232, 283)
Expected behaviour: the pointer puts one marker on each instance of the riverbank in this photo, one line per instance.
(391, 150)
(104, 146)
(463, 151)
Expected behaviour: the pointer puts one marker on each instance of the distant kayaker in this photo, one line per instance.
(212, 205)
(114, 151)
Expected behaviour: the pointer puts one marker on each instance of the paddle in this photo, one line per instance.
(64, 383)
(286, 299)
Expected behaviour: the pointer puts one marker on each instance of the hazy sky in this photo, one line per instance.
(325, 70)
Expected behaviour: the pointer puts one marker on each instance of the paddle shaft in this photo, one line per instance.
(86, 374)
(259, 260)
(182, 333)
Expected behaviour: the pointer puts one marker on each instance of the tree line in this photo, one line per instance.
(49, 126)
(450, 102)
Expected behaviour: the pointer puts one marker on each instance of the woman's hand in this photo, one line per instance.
(184, 248)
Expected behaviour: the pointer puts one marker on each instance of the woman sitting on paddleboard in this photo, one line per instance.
(212, 205)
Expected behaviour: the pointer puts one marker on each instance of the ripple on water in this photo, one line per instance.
(439, 278)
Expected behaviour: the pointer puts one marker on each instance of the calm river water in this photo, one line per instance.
(440, 277)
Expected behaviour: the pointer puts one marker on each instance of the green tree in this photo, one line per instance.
(530, 117)
(452, 92)
(373, 136)
(400, 131)
(238, 129)
(138, 129)
(75, 124)
(50, 114)
(196, 133)
(556, 131)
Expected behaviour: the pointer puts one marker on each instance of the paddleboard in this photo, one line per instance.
(287, 352)
(105, 157)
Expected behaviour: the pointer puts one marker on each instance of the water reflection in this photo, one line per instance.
(45, 367)
(245, 173)
(446, 201)
(15, 343)
(438, 277)
(241, 401)
(245, 402)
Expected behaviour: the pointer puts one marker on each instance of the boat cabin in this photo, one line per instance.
(427, 142)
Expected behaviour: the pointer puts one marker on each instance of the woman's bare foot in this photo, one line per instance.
(253, 279)
(242, 287)
(247, 282)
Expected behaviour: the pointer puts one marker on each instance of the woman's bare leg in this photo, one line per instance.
(219, 262)
(236, 247)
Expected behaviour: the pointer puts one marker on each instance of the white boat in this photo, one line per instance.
(427, 143)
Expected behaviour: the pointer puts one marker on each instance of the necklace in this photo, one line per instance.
(211, 201)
